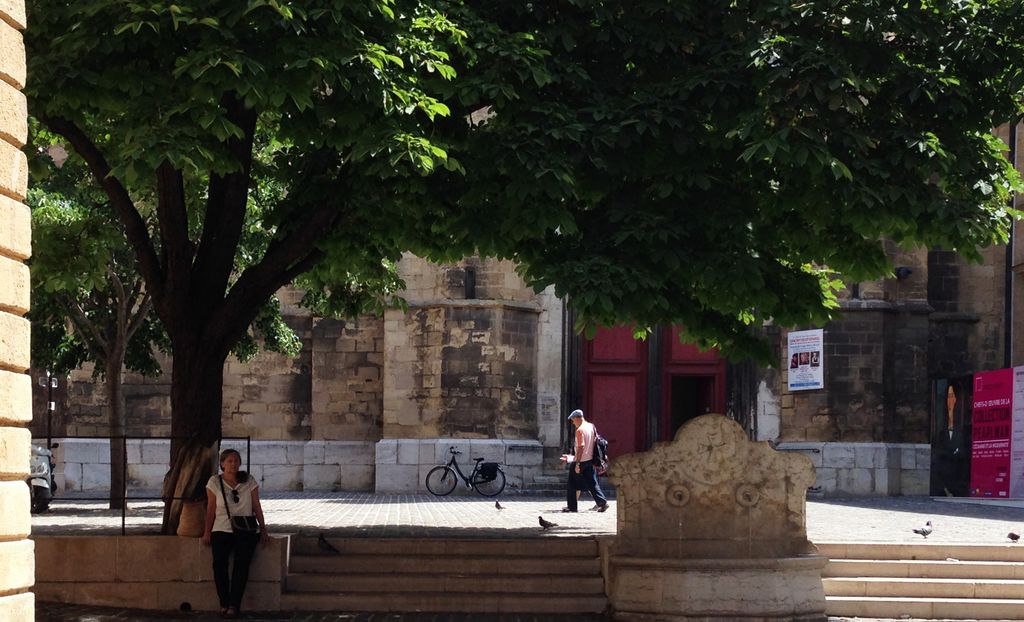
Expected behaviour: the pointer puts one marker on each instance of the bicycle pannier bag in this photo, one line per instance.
(488, 471)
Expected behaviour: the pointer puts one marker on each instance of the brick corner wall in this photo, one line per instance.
(17, 566)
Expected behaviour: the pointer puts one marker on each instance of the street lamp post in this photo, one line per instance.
(50, 382)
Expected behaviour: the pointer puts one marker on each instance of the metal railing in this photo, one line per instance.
(124, 466)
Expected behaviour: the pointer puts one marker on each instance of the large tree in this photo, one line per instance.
(705, 163)
(190, 114)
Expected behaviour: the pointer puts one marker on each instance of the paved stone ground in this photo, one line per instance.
(357, 514)
(882, 519)
(875, 519)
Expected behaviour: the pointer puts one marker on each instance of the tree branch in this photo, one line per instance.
(87, 330)
(139, 317)
(134, 225)
(281, 262)
(121, 319)
(227, 200)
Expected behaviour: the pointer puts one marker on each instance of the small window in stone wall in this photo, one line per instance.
(463, 279)
(470, 283)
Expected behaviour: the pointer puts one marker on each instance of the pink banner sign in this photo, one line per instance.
(990, 433)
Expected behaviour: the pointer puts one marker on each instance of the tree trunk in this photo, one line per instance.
(196, 393)
(116, 416)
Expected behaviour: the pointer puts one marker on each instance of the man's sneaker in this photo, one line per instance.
(602, 508)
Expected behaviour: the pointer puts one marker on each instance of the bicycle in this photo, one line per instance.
(487, 479)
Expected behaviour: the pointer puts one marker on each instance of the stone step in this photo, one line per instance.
(449, 564)
(465, 602)
(924, 569)
(924, 588)
(436, 582)
(925, 608)
(465, 547)
(925, 550)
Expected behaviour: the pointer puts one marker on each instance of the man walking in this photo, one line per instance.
(582, 474)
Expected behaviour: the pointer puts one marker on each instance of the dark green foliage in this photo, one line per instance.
(710, 164)
(722, 163)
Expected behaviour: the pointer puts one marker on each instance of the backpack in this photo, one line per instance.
(601, 454)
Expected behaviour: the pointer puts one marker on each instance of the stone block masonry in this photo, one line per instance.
(16, 551)
(866, 469)
(83, 465)
(402, 464)
(120, 571)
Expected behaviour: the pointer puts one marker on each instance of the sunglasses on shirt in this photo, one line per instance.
(234, 496)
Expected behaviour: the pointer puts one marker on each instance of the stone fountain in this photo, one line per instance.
(711, 526)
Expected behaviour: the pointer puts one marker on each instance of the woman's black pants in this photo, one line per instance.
(230, 591)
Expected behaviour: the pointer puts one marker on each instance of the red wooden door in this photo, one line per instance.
(615, 388)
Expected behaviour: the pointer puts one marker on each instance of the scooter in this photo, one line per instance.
(40, 478)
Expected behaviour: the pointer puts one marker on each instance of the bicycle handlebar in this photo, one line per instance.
(454, 451)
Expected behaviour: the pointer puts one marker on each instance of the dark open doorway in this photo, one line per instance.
(689, 397)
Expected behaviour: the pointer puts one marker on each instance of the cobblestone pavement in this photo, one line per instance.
(357, 514)
(891, 519)
(873, 519)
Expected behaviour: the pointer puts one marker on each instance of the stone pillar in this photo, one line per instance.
(17, 559)
(712, 526)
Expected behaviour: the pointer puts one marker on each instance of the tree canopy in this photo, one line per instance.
(722, 164)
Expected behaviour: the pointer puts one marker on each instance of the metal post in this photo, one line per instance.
(124, 481)
(50, 407)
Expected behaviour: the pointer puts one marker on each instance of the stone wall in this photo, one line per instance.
(348, 361)
(84, 464)
(451, 367)
(119, 571)
(868, 429)
(866, 469)
(17, 561)
(466, 367)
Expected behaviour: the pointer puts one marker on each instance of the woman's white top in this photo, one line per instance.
(242, 508)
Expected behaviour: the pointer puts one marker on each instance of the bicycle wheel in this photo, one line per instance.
(490, 488)
(441, 480)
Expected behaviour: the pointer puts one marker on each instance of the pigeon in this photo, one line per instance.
(498, 506)
(1013, 537)
(545, 524)
(324, 545)
(924, 531)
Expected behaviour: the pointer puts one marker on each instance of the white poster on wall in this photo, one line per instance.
(806, 360)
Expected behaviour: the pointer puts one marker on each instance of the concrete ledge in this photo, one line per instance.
(149, 572)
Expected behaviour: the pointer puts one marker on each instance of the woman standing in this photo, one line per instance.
(232, 494)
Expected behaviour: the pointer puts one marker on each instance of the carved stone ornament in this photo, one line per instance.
(712, 493)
